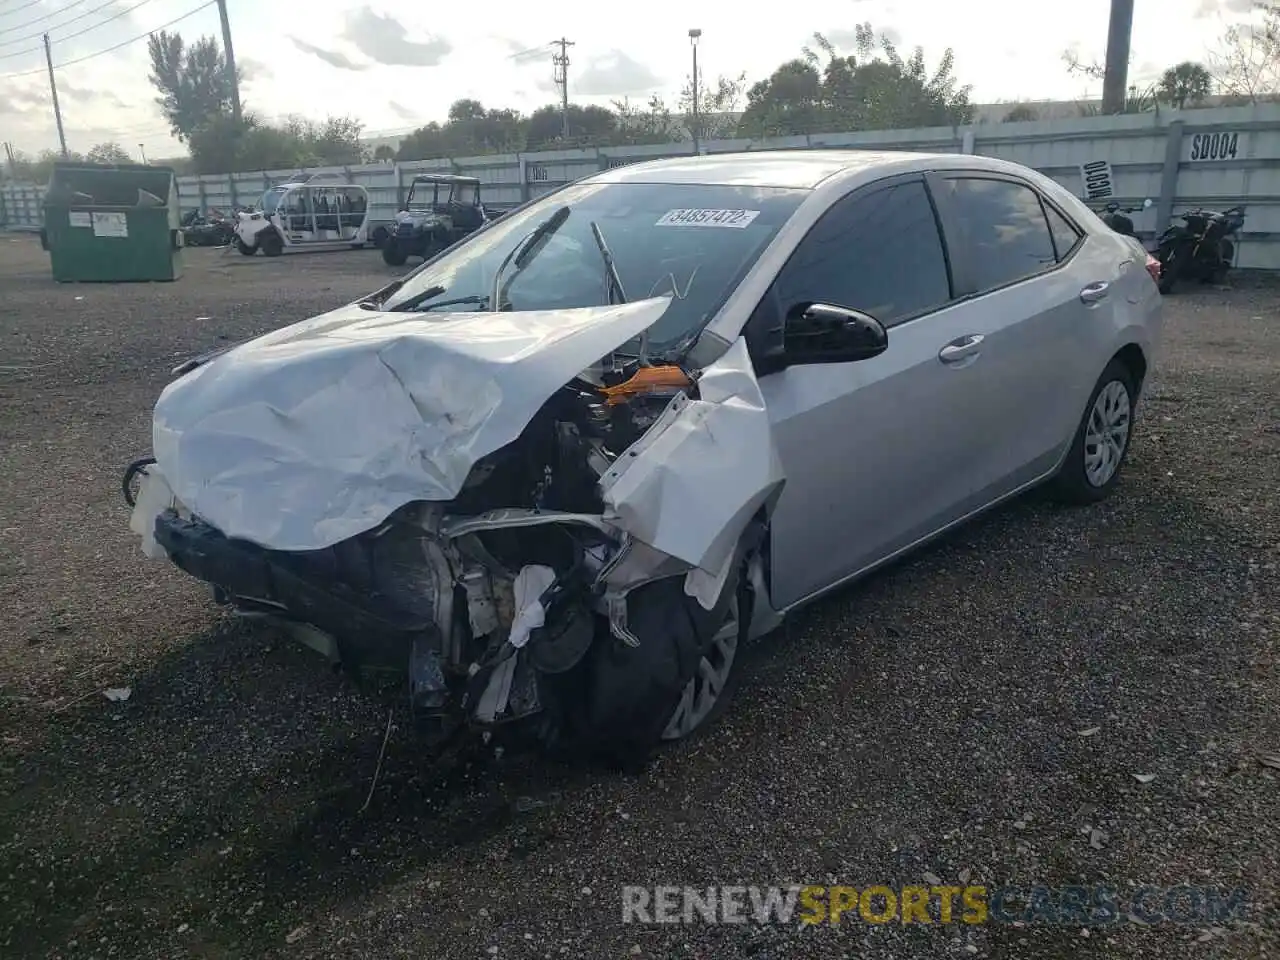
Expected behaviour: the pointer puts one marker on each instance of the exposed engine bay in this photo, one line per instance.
(517, 600)
(538, 524)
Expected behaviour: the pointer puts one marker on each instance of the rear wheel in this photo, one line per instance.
(244, 248)
(1173, 261)
(393, 253)
(1101, 441)
(1219, 274)
(272, 244)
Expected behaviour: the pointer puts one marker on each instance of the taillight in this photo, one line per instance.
(1153, 268)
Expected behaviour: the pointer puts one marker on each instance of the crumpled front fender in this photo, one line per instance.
(691, 484)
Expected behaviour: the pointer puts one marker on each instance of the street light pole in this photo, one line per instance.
(694, 34)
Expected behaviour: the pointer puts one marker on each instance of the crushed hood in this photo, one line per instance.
(319, 431)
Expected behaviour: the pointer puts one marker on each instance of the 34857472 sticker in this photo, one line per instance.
(736, 219)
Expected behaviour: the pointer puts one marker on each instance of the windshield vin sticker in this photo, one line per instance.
(707, 218)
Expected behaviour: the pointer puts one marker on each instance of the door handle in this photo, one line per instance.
(1095, 292)
(962, 348)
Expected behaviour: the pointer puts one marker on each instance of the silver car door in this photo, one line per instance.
(1031, 281)
(867, 448)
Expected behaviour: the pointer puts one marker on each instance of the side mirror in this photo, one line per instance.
(821, 333)
(1146, 204)
(1112, 207)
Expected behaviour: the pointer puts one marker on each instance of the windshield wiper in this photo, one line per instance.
(476, 300)
(610, 268)
(375, 300)
(411, 303)
(525, 251)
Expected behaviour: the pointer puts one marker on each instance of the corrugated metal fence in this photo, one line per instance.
(1180, 159)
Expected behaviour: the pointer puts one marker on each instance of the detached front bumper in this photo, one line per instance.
(288, 586)
(280, 584)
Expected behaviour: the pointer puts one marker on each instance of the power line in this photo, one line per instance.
(44, 16)
(113, 49)
(115, 16)
(530, 53)
(21, 7)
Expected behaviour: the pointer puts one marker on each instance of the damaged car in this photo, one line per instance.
(560, 473)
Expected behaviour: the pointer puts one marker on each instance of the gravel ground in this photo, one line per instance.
(926, 722)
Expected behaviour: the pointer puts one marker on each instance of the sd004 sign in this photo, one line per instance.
(1096, 175)
(1215, 146)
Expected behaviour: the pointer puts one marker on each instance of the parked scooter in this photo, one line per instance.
(1114, 217)
(1200, 248)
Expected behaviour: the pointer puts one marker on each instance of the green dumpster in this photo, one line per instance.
(112, 223)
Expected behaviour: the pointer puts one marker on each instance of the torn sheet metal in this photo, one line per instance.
(317, 432)
(690, 485)
(154, 497)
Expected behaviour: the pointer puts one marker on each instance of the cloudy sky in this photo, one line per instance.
(396, 65)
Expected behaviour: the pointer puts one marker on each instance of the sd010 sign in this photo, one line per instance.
(1096, 175)
(1215, 146)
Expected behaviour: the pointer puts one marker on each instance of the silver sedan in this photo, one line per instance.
(559, 473)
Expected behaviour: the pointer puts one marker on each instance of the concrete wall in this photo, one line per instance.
(1180, 159)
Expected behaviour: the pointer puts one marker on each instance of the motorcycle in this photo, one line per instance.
(207, 230)
(1201, 248)
(1113, 216)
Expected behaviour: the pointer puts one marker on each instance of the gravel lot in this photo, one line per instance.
(925, 722)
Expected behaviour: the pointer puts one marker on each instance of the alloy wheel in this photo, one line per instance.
(705, 687)
(1107, 433)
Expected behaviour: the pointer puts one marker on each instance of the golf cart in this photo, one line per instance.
(440, 210)
(316, 212)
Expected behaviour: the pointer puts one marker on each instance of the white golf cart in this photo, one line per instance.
(317, 212)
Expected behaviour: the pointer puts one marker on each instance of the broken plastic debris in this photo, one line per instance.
(1090, 732)
(647, 380)
(531, 583)
(1144, 777)
(117, 694)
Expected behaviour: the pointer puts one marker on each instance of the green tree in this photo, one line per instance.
(469, 129)
(790, 101)
(1021, 113)
(384, 153)
(877, 89)
(38, 170)
(651, 124)
(1246, 63)
(590, 125)
(718, 103)
(1185, 84)
(873, 89)
(108, 153)
(193, 81)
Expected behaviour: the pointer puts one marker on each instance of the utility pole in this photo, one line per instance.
(694, 34)
(1115, 80)
(561, 77)
(53, 88)
(230, 54)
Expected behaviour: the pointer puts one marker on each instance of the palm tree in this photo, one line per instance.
(1186, 83)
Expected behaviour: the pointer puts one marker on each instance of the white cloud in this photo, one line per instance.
(427, 57)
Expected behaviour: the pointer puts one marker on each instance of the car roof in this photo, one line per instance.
(796, 169)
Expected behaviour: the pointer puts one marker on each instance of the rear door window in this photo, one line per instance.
(1065, 236)
(1001, 227)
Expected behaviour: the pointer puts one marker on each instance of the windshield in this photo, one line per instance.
(422, 195)
(271, 200)
(693, 242)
